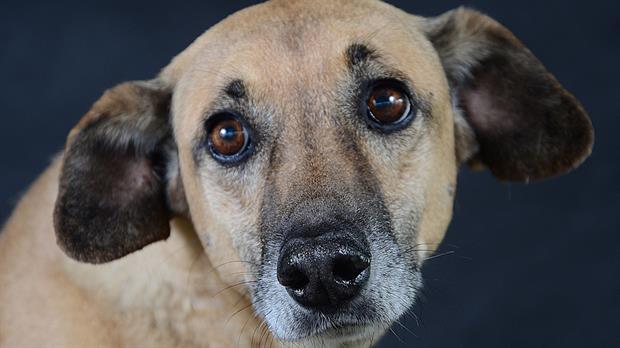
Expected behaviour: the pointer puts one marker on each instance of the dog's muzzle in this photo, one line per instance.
(324, 271)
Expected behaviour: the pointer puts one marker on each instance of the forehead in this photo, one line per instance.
(283, 48)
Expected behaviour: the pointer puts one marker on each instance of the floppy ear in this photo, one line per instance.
(119, 183)
(512, 115)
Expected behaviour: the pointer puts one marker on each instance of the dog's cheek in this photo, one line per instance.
(415, 187)
(225, 218)
(439, 185)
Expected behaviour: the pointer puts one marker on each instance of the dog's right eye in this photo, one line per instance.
(228, 138)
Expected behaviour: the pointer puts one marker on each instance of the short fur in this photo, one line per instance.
(175, 249)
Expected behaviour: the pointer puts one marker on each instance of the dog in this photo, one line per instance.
(280, 182)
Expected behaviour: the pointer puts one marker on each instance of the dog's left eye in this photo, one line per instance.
(389, 106)
(228, 138)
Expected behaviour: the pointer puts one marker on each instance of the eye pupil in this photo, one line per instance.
(388, 105)
(227, 133)
(227, 136)
(383, 101)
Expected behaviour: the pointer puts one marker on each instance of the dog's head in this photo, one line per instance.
(318, 142)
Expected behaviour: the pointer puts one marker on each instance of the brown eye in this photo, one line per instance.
(228, 138)
(388, 105)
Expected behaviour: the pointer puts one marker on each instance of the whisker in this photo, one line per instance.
(406, 328)
(254, 333)
(450, 252)
(249, 273)
(246, 282)
(262, 333)
(241, 297)
(235, 261)
(241, 332)
(398, 337)
(412, 314)
(237, 312)
(265, 335)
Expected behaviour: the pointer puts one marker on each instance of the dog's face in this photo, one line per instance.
(317, 143)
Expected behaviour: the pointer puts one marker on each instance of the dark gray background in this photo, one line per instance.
(531, 265)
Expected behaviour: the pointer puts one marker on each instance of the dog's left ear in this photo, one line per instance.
(120, 181)
(516, 118)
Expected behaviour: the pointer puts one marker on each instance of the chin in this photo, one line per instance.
(355, 335)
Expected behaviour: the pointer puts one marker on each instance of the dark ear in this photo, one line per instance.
(119, 184)
(512, 115)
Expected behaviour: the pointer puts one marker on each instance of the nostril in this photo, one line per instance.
(347, 268)
(293, 277)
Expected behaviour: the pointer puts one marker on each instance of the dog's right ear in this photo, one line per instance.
(119, 184)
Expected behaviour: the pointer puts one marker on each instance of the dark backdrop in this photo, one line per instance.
(529, 266)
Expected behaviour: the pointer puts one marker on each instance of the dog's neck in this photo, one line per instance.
(169, 294)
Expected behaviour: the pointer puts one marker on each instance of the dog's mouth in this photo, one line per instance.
(341, 314)
(337, 327)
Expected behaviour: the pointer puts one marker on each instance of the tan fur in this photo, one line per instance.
(191, 290)
(166, 295)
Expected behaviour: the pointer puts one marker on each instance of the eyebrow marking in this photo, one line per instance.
(359, 53)
(235, 89)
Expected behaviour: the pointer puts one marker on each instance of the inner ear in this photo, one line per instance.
(525, 124)
(118, 187)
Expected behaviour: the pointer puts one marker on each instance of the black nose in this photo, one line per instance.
(323, 272)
